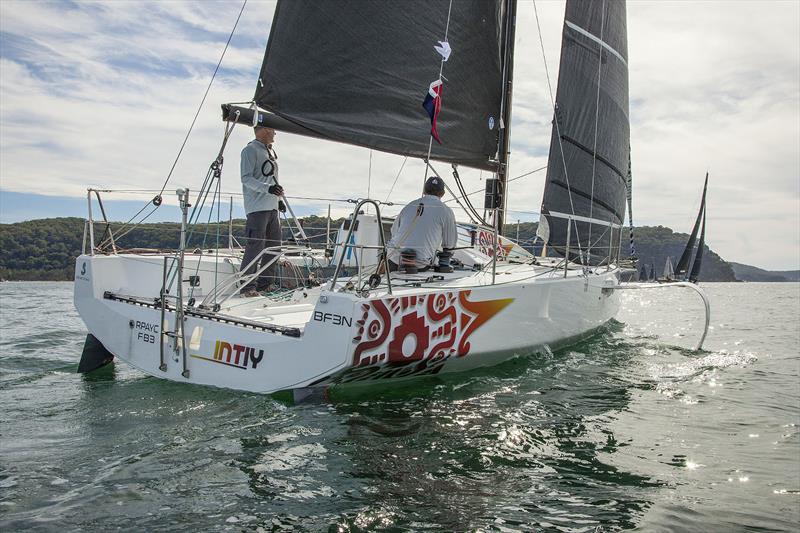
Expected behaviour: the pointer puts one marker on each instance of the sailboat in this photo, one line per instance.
(361, 80)
(682, 271)
(669, 270)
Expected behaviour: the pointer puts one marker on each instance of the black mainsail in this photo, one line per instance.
(584, 197)
(357, 72)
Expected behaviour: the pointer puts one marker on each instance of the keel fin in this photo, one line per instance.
(94, 355)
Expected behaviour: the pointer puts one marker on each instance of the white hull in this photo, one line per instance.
(322, 337)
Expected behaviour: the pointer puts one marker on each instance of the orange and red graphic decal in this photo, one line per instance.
(486, 245)
(429, 327)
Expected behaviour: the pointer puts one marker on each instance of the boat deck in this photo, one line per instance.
(294, 309)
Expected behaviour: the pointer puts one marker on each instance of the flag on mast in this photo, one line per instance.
(433, 104)
(443, 48)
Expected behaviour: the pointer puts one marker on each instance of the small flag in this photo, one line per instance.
(444, 50)
(433, 104)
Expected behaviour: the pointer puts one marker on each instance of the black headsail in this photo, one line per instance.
(588, 163)
(682, 270)
(358, 71)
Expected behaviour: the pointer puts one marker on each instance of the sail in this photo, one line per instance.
(682, 269)
(588, 163)
(358, 72)
(669, 272)
(629, 192)
(698, 259)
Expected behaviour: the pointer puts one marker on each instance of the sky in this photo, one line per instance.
(101, 94)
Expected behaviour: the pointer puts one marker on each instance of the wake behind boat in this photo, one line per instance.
(180, 315)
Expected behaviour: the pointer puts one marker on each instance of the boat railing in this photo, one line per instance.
(383, 259)
(89, 225)
(244, 276)
(178, 333)
(109, 240)
(610, 260)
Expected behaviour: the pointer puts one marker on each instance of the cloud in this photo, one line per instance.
(101, 94)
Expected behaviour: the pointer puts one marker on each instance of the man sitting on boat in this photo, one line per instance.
(259, 170)
(422, 227)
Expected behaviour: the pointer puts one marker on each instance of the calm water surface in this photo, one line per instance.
(628, 431)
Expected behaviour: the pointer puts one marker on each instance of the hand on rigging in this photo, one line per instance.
(277, 190)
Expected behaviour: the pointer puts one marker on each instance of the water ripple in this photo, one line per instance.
(630, 430)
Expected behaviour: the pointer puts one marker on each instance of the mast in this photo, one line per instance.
(505, 131)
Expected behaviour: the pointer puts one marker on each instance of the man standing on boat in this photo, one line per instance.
(259, 169)
(424, 226)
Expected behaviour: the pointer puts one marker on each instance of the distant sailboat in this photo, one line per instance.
(669, 271)
(682, 272)
(698, 258)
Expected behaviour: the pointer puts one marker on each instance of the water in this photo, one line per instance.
(630, 430)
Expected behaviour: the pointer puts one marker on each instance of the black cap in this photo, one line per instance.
(434, 185)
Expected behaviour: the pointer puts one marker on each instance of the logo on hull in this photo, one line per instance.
(429, 328)
(333, 318)
(81, 274)
(235, 355)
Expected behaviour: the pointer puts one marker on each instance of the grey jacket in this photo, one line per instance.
(259, 170)
(424, 225)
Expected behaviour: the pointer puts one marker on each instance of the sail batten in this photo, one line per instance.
(598, 158)
(358, 71)
(596, 39)
(588, 196)
(590, 140)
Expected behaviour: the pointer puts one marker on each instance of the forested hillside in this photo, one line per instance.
(40, 249)
(751, 273)
(46, 249)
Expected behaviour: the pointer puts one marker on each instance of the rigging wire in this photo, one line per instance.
(596, 119)
(214, 172)
(475, 216)
(200, 107)
(214, 201)
(441, 71)
(507, 181)
(470, 209)
(396, 178)
(120, 233)
(191, 126)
